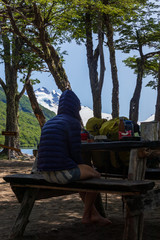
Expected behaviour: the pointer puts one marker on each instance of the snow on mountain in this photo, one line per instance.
(151, 118)
(50, 101)
(87, 113)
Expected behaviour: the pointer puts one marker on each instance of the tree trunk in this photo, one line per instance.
(157, 113)
(10, 89)
(92, 59)
(115, 90)
(97, 105)
(12, 117)
(134, 103)
(35, 106)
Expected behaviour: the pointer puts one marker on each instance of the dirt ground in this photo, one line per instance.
(60, 218)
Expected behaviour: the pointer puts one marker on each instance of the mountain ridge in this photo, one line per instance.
(43, 94)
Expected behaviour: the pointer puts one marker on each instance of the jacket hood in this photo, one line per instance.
(69, 104)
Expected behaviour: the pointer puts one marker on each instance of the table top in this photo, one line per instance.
(119, 145)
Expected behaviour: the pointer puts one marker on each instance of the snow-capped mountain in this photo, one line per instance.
(50, 101)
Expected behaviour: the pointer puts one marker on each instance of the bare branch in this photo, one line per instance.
(151, 54)
(24, 86)
(34, 104)
(22, 91)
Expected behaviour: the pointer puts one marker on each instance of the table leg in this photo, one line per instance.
(133, 225)
(137, 166)
(24, 213)
(134, 222)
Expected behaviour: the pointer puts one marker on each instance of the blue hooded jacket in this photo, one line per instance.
(60, 142)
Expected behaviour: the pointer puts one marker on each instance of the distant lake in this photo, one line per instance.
(27, 150)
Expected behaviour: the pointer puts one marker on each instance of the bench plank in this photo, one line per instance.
(20, 182)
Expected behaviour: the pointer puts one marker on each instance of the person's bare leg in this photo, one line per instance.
(91, 215)
(88, 172)
(97, 218)
(88, 205)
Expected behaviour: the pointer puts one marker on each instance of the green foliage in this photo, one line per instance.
(64, 20)
(131, 62)
(138, 32)
(29, 130)
(140, 29)
(29, 127)
(152, 69)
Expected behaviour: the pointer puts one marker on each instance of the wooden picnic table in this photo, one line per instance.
(119, 145)
(138, 194)
(136, 171)
(139, 150)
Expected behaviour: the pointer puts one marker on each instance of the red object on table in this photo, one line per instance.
(125, 134)
(84, 136)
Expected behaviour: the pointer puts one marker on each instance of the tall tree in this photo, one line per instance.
(114, 19)
(137, 33)
(107, 15)
(17, 59)
(153, 69)
(110, 43)
(13, 61)
(112, 15)
(11, 56)
(134, 103)
(92, 59)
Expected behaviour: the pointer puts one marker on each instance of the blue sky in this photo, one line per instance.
(77, 72)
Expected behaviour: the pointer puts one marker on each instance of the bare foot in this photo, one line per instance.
(87, 221)
(100, 220)
(96, 220)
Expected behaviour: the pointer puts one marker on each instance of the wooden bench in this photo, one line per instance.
(150, 174)
(31, 187)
